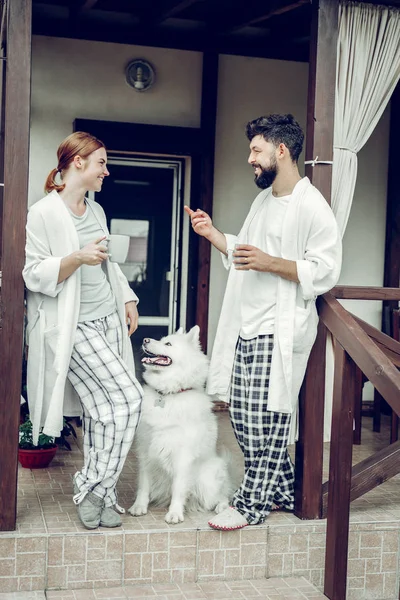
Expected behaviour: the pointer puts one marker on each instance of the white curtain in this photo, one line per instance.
(368, 69)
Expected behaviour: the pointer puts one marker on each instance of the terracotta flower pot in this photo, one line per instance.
(36, 459)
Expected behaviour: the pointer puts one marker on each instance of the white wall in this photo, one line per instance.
(80, 79)
(250, 87)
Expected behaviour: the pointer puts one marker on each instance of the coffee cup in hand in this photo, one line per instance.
(118, 246)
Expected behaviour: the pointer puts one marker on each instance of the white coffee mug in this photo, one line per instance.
(117, 247)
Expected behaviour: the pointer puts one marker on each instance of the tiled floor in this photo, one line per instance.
(51, 550)
(45, 495)
(268, 589)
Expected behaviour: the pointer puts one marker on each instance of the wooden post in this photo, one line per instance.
(207, 125)
(320, 121)
(359, 384)
(337, 534)
(309, 457)
(392, 242)
(16, 157)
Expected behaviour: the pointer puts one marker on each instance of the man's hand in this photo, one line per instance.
(246, 258)
(201, 221)
(202, 225)
(250, 258)
(132, 316)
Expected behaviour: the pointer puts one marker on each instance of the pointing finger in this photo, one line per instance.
(188, 210)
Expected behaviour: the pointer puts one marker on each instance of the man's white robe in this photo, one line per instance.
(53, 311)
(310, 236)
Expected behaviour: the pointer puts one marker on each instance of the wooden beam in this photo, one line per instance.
(369, 473)
(207, 125)
(389, 345)
(321, 92)
(88, 4)
(320, 117)
(348, 292)
(378, 369)
(3, 68)
(16, 159)
(174, 10)
(199, 41)
(309, 456)
(277, 8)
(337, 530)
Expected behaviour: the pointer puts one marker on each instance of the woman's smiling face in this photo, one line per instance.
(95, 169)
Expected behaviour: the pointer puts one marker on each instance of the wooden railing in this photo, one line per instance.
(358, 347)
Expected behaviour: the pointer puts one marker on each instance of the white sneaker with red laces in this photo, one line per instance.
(228, 520)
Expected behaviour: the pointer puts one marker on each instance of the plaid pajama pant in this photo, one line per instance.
(262, 435)
(111, 398)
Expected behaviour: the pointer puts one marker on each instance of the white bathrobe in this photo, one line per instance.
(310, 236)
(53, 311)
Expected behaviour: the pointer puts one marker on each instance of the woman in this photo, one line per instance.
(80, 357)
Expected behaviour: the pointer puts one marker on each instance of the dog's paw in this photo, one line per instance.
(221, 506)
(174, 517)
(137, 510)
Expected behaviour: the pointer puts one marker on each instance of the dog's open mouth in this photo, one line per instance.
(156, 359)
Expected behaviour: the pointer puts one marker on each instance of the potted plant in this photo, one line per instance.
(31, 456)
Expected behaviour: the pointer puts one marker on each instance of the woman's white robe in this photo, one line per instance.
(53, 311)
(310, 236)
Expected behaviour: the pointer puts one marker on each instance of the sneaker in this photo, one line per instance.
(110, 518)
(228, 520)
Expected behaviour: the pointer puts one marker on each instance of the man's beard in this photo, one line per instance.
(267, 176)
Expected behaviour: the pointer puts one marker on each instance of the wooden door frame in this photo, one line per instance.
(158, 140)
(199, 144)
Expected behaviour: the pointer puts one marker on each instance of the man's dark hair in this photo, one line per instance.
(278, 129)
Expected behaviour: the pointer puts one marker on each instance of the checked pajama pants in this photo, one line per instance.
(111, 399)
(262, 435)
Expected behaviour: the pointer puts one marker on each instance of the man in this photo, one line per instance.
(286, 254)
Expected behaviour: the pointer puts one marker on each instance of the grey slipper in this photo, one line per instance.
(90, 510)
(110, 518)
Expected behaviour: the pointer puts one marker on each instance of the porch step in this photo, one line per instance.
(277, 588)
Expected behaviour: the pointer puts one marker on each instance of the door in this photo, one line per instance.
(142, 199)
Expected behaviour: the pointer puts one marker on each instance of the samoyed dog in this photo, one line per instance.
(176, 439)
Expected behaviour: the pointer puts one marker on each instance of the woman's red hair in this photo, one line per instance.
(81, 143)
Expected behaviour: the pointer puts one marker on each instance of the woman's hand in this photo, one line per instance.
(93, 254)
(132, 316)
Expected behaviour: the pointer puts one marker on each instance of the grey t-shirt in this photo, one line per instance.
(97, 298)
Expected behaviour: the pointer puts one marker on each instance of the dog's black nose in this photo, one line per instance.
(146, 341)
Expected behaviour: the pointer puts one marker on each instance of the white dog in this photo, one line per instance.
(177, 433)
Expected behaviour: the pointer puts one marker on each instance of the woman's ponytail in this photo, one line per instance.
(51, 184)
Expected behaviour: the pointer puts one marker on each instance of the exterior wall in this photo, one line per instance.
(73, 78)
(79, 79)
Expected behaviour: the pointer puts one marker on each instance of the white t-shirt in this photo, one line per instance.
(259, 289)
(97, 299)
